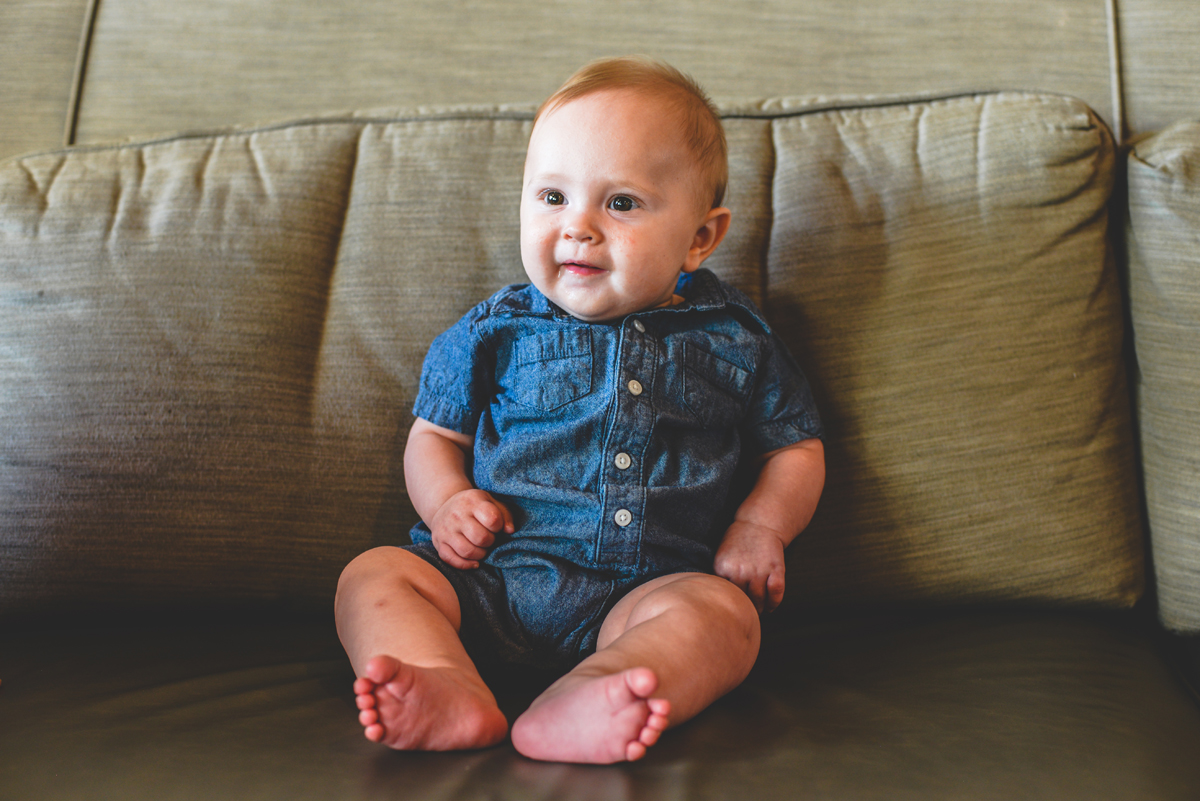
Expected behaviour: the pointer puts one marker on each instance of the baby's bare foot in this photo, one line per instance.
(596, 719)
(425, 709)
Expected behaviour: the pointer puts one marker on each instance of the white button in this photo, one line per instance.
(623, 517)
(623, 461)
(635, 387)
(638, 325)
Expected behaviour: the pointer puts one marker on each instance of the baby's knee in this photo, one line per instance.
(728, 603)
(711, 600)
(718, 611)
(369, 564)
(389, 568)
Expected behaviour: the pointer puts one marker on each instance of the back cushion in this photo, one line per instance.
(210, 346)
(1164, 256)
(943, 270)
(163, 312)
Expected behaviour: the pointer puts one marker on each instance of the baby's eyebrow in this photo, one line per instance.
(547, 177)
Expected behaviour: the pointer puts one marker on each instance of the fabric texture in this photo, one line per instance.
(1164, 248)
(947, 268)
(210, 345)
(163, 308)
(161, 67)
(621, 446)
(39, 42)
(1159, 62)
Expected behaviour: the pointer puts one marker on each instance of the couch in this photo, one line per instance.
(229, 230)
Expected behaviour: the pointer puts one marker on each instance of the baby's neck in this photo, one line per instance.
(674, 300)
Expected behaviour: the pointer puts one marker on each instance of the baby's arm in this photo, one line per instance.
(464, 520)
(778, 508)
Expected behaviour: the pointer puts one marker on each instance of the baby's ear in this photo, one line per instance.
(710, 233)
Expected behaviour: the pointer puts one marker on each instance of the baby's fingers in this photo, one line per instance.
(454, 560)
(775, 587)
(480, 537)
(753, 586)
(756, 589)
(472, 543)
(457, 551)
(494, 517)
(509, 525)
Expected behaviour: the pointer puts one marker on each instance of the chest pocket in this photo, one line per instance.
(552, 369)
(716, 391)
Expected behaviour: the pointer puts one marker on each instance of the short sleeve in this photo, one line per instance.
(781, 410)
(456, 379)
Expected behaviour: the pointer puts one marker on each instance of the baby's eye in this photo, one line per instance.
(622, 203)
(554, 198)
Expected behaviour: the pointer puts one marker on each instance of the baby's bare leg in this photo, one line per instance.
(666, 651)
(417, 689)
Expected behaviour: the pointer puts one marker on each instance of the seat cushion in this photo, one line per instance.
(1070, 707)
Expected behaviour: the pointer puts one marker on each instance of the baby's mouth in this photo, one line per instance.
(581, 268)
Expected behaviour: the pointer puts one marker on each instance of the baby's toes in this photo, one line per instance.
(660, 713)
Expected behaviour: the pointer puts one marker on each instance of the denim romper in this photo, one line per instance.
(616, 446)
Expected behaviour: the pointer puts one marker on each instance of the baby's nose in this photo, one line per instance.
(581, 228)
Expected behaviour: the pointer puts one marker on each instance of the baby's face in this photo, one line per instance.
(610, 210)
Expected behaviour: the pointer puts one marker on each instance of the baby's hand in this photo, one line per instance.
(752, 558)
(467, 525)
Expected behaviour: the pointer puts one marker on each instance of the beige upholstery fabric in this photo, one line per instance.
(163, 67)
(1164, 244)
(1159, 62)
(944, 267)
(209, 346)
(433, 228)
(163, 311)
(39, 40)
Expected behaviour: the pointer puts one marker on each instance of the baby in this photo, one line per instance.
(608, 462)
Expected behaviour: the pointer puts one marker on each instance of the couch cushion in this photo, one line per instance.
(944, 707)
(943, 268)
(163, 307)
(211, 345)
(1164, 255)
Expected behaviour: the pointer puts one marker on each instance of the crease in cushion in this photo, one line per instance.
(1164, 256)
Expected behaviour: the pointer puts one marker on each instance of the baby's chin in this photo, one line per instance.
(592, 310)
(592, 299)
